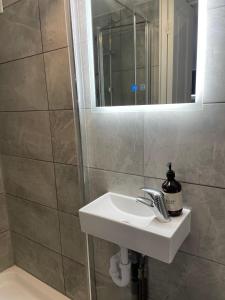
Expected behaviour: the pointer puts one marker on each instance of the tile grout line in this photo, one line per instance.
(39, 160)
(108, 170)
(4, 231)
(36, 110)
(32, 55)
(202, 257)
(44, 246)
(157, 178)
(42, 205)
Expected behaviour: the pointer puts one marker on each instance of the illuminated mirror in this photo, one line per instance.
(145, 51)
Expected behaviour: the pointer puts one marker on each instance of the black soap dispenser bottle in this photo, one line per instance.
(173, 193)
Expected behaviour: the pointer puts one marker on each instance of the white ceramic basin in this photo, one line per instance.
(122, 220)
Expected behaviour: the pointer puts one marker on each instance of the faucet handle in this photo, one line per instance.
(152, 192)
(158, 202)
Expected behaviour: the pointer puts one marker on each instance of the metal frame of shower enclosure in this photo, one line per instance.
(100, 54)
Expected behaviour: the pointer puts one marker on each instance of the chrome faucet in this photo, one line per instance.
(157, 203)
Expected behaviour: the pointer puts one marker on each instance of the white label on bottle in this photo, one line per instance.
(174, 201)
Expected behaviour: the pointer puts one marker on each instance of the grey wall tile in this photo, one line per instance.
(215, 56)
(41, 262)
(53, 24)
(75, 280)
(188, 277)
(207, 218)
(30, 179)
(58, 79)
(26, 134)
(37, 222)
(21, 23)
(115, 141)
(193, 141)
(73, 240)
(63, 139)
(6, 252)
(68, 188)
(207, 234)
(103, 251)
(102, 182)
(106, 289)
(4, 222)
(22, 85)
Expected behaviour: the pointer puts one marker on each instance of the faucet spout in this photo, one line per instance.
(157, 203)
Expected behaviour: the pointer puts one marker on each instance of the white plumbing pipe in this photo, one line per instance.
(120, 268)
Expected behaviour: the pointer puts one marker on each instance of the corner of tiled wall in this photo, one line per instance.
(6, 250)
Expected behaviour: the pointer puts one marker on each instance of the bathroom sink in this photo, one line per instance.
(122, 220)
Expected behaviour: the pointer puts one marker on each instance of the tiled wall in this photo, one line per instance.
(38, 145)
(127, 150)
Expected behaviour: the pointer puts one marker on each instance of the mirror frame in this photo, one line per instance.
(83, 47)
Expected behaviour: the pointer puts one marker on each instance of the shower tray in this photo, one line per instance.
(16, 284)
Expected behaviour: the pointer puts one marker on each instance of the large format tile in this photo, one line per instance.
(188, 277)
(63, 139)
(26, 134)
(193, 141)
(37, 222)
(215, 56)
(22, 85)
(21, 23)
(103, 250)
(53, 24)
(30, 179)
(6, 252)
(68, 188)
(41, 262)
(102, 182)
(207, 237)
(4, 222)
(106, 289)
(73, 240)
(75, 280)
(115, 141)
(58, 79)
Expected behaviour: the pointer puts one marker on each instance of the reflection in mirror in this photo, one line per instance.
(145, 51)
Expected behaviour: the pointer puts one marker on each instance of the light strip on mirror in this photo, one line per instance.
(201, 50)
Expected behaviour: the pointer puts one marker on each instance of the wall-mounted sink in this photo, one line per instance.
(122, 220)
